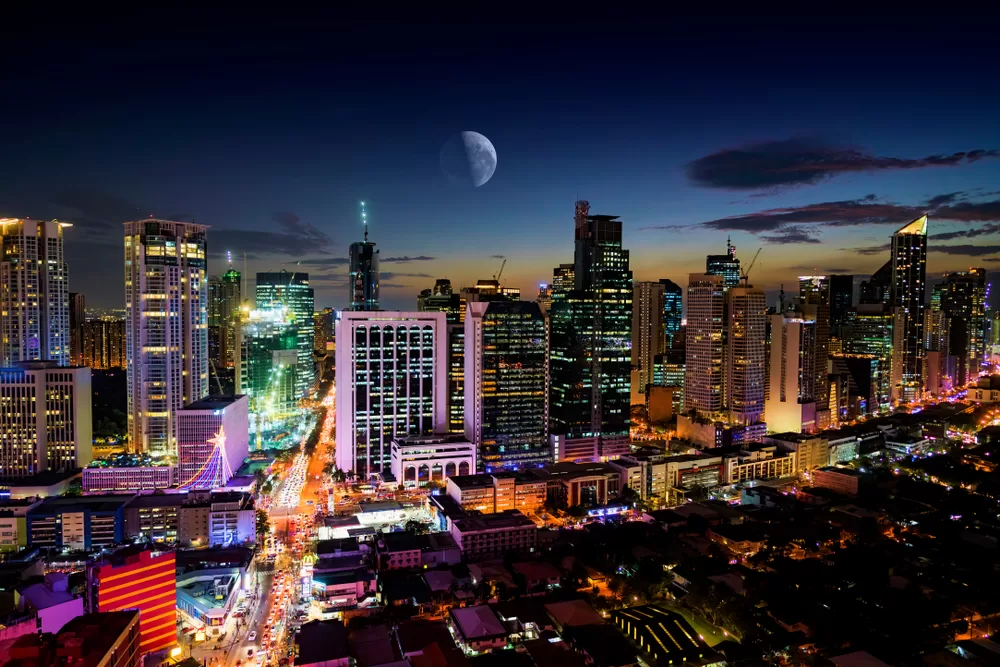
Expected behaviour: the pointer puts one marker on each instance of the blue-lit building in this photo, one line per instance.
(78, 523)
(673, 307)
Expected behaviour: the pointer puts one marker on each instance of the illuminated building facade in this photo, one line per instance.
(907, 298)
(166, 329)
(392, 381)
(144, 581)
(45, 418)
(292, 292)
(814, 298)
(791, 398)
(269, 367)
(442, 298)
(212, 441)
(703, 371)
(746, 355)
(963, 300)
(104, 343)
(322, 329)
(841, 304)
(77, 320)
(647, 334)
(224, 301)
(34, 292)
(363, 283)
(870, 333)
(590, 353)
(726, 266)
(673, 314)
(505, 367)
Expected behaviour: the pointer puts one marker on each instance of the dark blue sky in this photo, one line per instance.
(809, 138)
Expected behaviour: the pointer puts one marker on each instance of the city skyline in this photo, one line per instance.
(819, 178)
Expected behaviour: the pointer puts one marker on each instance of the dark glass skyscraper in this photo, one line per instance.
(907, 299)
(443, 298)
(841, 303)
(963, 300)
(590, 349)
(726, 266)
(505, 378)
(673, 308)
(364, 271)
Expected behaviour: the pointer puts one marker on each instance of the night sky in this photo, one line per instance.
(813, 140)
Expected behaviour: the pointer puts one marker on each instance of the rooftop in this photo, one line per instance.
(380, 506)
(125, 461)
(213, 403)
(479, 622)
(573, 613)
(472, 481)
(505, 519)
(110, 503)
(667, 635)
(850, 472)
(431, 439)
(83, 642)
(320, 641)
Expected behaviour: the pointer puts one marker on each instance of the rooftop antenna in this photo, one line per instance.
(364, 220)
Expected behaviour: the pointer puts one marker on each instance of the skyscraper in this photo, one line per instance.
(726, 266)
(814, 297)
(322, 329)
(876, 289)
(703, 369)
(104, 343)
(34, 292)
(590, 347)
(791, 400)
(673, 313)
(647, 334)
(166, 328)
(745, 355)
(45, 418)
(77, 320)
(391, 382)
(224, 301)
(907, 296)
(871, 334)
(505, 368)
(269, 369)
(291, 291)
(841, 303)
(442, 298)
(364, 271)
(963, 300)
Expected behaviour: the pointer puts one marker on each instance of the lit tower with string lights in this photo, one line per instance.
(212, 441)
(364, 271)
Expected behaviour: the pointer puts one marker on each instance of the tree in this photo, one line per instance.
(263, 524)
(415, 527)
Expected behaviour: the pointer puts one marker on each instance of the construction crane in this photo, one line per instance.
(746, 274)
(496, 276)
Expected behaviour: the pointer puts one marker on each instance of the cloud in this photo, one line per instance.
(819, 270)
(986, 211)
(967, 250)
(388, 275)
(325, 261)
(94, 209)
(846, 213)
(407, 258)
(947, 198)
(791, 234)
(985, 230)
(872, 250)
(295, 238)
(293, 225)
(804, 161)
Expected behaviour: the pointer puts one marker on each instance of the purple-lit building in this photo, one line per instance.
(212, 440)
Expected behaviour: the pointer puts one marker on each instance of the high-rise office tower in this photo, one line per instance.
(224, 318)
(269, 369)
(871, 333)
(590, 347)
(291, 291)
(936, 340)
(673, 314)
(647, 334)
(45, 418)
(322, 329)
(77, 320)
(791, 399)
(704, 349)
(841, 303)
(166, 335)
(363, 282)
(505, 368)
(544, 298)
(443, 298)
(726, 266)
(392, 381)
(876, 288)
(745, 355)
(963, 300)
(104, 343)
(563, 279)
(212, 441)
(907, 296)
(814, 297)
(34, 292)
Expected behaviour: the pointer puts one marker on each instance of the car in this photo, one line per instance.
(252, 636)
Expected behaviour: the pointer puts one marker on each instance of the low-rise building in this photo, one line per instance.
(488, 536)
(478, 628)
(106, 639)
(343, 589)
(900, 444)
(14, 523)
(742, 540)
(417, 459)
(154, 518)
(217, 519)
(127, 472)
(811, 451)
(322, 644)
(579, 483)
(841, 480)
(986, 390)
(760, 462)
(398, 551)
(78, 523)
(381, 513)
(52, 602)
(207, 597)
(498, 491)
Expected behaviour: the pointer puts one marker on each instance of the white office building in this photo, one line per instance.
(391, 382)
(791, 396)
(212, 441)
(45, 418)
(34, 292)
(166, 336)
(703, 370)
(418, 459)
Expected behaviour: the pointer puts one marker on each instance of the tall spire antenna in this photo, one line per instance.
(364, 220)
